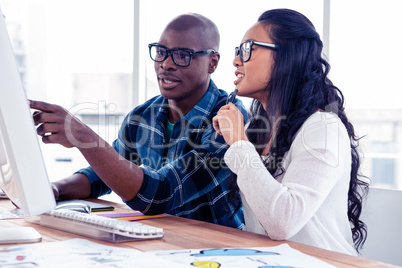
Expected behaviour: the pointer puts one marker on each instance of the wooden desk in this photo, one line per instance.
(181, 233)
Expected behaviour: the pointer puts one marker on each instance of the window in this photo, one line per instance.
(383, 163)
(365, 56)
(77, 54)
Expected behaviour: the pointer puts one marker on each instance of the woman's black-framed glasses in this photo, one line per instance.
(181, 56)
(245, 48)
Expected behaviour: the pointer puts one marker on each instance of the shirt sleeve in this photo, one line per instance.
(124, 148)
(319, 153)
(191, 175)
(98, 187)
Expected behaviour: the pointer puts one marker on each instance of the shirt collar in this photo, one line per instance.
(204, 107)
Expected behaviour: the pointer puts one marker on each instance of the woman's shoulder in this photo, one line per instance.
(322, 131)
(322, 117)
(322, 122)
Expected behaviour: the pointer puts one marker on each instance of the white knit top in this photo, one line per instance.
(308, 202)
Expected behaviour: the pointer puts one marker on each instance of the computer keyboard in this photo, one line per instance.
(98, 227)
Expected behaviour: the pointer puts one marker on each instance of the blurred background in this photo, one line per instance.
(91, 57)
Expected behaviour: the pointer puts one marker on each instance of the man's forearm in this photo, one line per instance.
(76, 186)
(119, 174)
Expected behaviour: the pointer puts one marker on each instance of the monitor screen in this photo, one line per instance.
(23, 175)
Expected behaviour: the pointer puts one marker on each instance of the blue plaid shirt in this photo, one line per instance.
(188, 176)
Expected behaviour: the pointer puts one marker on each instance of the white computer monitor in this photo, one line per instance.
(23, 175)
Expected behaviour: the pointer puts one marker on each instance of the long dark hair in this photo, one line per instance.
(300, 86)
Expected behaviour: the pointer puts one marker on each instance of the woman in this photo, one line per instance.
(297, 163)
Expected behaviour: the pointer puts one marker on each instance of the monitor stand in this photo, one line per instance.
(12, 235)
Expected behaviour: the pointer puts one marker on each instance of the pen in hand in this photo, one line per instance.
(231, 98)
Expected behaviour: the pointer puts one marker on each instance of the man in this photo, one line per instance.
(166, 158)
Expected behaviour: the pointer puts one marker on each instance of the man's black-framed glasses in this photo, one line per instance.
(245, 48)
(181, 56)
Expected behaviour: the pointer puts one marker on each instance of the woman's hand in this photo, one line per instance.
(229, 123)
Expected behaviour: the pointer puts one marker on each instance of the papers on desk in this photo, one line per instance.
(262, 257)
(77, 253)
(84, 253)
